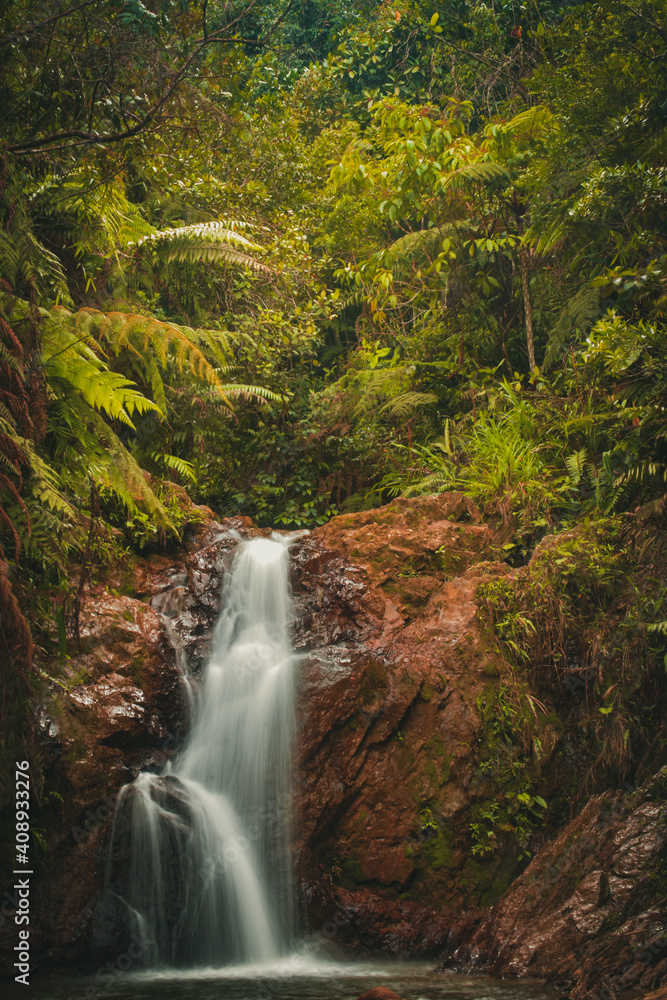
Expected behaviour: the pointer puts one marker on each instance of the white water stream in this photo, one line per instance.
(210, 878)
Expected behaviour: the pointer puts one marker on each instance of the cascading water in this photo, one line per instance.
(209, 876)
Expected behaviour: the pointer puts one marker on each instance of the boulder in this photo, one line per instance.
(588, 912)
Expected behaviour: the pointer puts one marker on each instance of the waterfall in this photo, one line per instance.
(208, 872)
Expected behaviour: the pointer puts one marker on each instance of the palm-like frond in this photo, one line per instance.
(70, 359)
(535, 122)
(478, 172)
(419, 248)
(205, 241)
(252, 391)
(406, 404)
(152, 344)
(578, 314)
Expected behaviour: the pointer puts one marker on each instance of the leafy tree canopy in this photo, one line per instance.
(296, 257)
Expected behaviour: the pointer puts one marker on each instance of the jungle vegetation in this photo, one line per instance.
(298, 257)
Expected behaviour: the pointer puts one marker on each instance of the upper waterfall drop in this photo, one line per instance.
(210, 880)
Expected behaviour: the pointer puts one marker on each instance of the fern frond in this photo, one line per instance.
(153, 343)
(532, 123)
(11, 360)
(420, 247)
(408, 403)
(255, 391)
(480, 172)
(116, 469)
(46, 485)
(184, 469)
(25, 261)
(576, 465)
(71, 360)
(578, 314)
(645, 472)
(205, 241)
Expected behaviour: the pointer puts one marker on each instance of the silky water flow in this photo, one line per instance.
(207, 877)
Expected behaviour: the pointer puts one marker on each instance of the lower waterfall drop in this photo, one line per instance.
(208, 875)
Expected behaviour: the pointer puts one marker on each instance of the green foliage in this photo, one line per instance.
(372, 249)
(203, 241)
(577, 623)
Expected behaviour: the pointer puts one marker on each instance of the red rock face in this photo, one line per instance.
(393, 663)
(587, 910)
(395, 668)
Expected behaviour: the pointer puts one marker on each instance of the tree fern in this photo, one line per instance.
(206, 241)
(26, 266)
(578, 314)
(152, 344)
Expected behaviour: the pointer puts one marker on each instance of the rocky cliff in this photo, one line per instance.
(432, 793)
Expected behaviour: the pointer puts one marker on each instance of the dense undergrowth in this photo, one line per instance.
(293, 259)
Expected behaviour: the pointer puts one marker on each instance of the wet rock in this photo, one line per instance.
(379, 993)
(393, 662)
(583, 913)
(394, 667)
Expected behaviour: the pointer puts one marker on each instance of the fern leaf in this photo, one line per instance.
(578, 314)
(152, 342)
(480, 172)
(420, 247)
(116, 469)
(576, 464)
(408, 403)
(24, 260)
(256, 391)
(184, 469)
(72, 361)
(207, 241)
(534, 122)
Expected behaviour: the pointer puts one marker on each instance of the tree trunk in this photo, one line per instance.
(527, 309)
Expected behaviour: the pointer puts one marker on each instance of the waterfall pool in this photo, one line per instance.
(295, 978)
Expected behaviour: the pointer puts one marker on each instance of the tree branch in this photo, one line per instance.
(8, 39)
(222, 35)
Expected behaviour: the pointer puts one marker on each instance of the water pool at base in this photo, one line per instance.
(295, 978)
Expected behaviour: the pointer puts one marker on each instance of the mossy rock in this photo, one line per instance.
(437, 852)
(374, 681)
(351, 872)
(488, 878)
